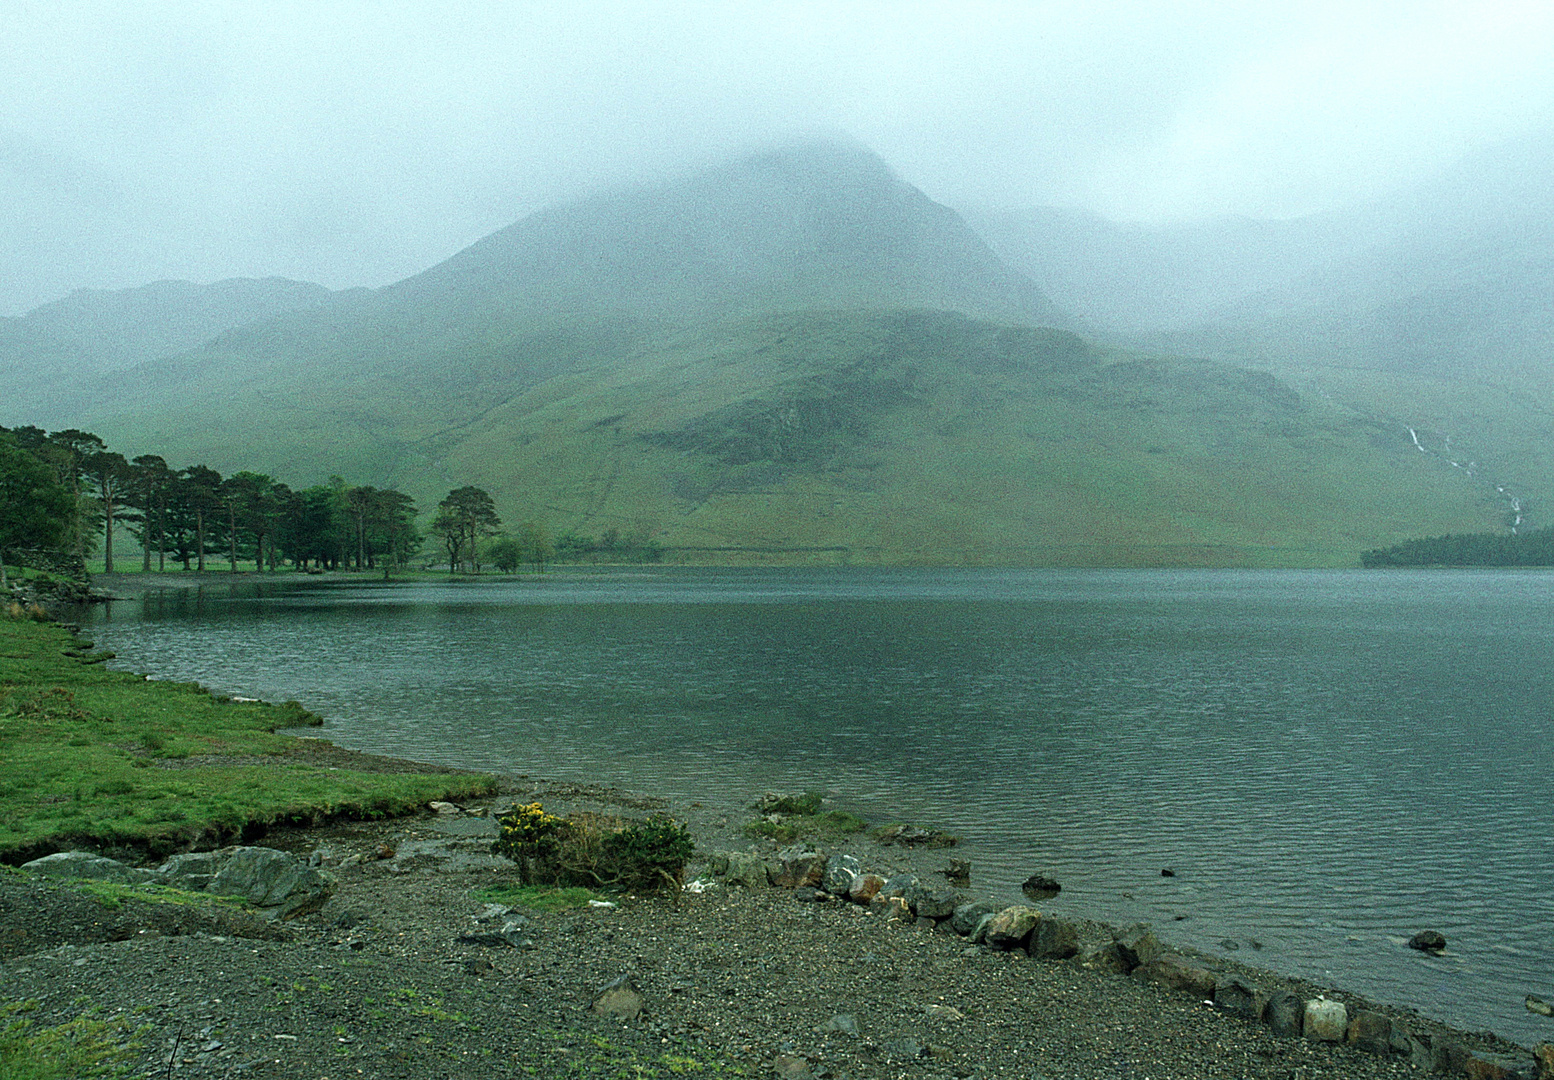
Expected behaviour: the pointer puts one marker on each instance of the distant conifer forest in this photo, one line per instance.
(1534, 548)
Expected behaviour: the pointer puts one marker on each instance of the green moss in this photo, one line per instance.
(83, 1047)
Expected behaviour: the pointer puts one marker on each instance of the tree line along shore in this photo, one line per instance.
(64, 496)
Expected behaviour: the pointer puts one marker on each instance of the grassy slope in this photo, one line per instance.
(903, 438)
(99, 756)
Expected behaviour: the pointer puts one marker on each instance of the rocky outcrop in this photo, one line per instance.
(83, 865)
(280, 885)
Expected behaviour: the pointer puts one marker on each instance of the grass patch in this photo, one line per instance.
(586, 1055)
(830, 825)
(537, 897)
(787, 818)
(83, 1047)
(112, 894)
(90, 756)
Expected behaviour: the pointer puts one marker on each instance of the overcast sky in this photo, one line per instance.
(357, 143)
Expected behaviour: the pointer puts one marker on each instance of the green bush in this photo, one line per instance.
(594, 851)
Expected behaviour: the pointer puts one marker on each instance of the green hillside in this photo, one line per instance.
(895, 437)
(800, 357)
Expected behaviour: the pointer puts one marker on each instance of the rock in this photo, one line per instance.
(1428, 941)
(892, 907)
(943, 1012)
(958, 872)
(1040, 887)
(1326, 1021)
(1167, 873)
(796, 866)
(1543, 1057)
(1238, 999)
(85, 865)
(911, 836)
(806, 804)
(1105, 957)
(1538, 1006)
(1011, 927)
(619, 998)
(1138, 945)
(840, 872)
(1478, 1065)
(978, 933)
(964, 919)
(194, 870)
(936, 903)
(511, 936)
(865, 887)
(843, 1023)
(905, 886)
(808, 894)
(1286, 1014)
(746, 869)
(1055, 939)
(445, 809)
(791, 1067)
(1370, 1031)
(266, 878)
(1175, 973)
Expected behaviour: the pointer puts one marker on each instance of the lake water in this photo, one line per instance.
(1329, 761)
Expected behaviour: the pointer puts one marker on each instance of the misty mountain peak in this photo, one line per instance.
(822, 223)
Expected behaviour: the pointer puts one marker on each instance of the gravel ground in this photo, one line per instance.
(731, 982)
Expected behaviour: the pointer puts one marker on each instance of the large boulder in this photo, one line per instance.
(1138, 945)
(193, 871)
(1105, 956)
(840, 872)
(905, 886)
(1326, 1020)
(1010, 928)
(745, 868)
(936, 903)
(1054, 939)
(283, 884)
(1286, 1014)
(1238, 998)
(964, 919)
(1177, 974)
(1370, 1031)
(797, 866)
(85, 865)
(865, 888)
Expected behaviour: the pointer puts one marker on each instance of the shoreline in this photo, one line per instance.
(414, 872)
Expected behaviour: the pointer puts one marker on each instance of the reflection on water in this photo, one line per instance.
(1329, 761)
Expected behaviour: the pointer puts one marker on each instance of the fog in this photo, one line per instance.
(358, 143)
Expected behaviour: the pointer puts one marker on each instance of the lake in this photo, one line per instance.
(1329, 761)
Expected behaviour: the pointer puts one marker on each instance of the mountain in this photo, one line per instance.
(798, 357)
(821, 225)
(1449, 277)
(95, 331)
(1125, 279)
